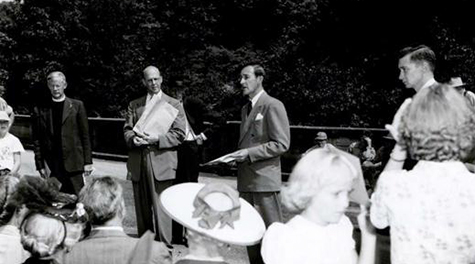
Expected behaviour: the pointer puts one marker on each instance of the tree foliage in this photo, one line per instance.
(330, 62)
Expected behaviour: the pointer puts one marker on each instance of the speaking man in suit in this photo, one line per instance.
(152, 158)
(61, 137)
(264, 137)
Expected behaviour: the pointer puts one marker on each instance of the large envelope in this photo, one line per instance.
(156, 119)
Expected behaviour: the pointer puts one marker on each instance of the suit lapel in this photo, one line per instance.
(47, 115)
(67, 108)
(140, 107)
(248, 120)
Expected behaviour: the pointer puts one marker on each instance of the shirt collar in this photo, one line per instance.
(159, 94)
(254, 100)
(430, 82)
(199, 258)
(108, 228)
(60, 99)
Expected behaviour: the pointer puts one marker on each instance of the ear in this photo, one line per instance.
(260, 79)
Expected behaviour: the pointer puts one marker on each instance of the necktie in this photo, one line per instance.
(249, 108)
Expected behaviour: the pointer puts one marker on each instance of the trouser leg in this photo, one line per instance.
(143, 206)
(268, 206)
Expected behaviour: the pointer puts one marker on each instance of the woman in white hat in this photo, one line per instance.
(214, 216)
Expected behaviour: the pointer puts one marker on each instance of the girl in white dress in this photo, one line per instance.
(318, 191)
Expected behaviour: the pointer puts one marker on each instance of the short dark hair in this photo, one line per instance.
(419, 54)
(258, 70)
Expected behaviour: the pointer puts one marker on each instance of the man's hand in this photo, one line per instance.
(150, 140)
(138, 141)
(43, 173)
(240, 155)
(393, 128)
(88, 170)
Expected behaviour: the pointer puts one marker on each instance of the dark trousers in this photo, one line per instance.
(188, 170)
(71, 182)
(144, 209)
(268, 206)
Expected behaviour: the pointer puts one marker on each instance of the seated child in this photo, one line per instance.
(318, 191)
(10, 148)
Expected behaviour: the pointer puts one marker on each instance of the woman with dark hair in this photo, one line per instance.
(431, 208)
(44, 217)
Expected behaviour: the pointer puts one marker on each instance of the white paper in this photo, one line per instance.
(156, 119)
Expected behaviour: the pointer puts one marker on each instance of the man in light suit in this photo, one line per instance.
(152, 159)
(61, 137)
(264, 137)
(108, 243)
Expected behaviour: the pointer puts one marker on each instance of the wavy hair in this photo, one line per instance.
(42, 235)
(313, 172)
(103, 200)
(438, 125)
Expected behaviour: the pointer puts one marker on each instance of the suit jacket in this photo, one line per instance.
(163, 157)
(110, 247)
(76, 147)
(266, 135)
(195, 111)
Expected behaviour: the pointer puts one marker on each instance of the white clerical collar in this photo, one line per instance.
(59, 100)
(149, 96)
(430, 82)
(254, 100)
(108, 228)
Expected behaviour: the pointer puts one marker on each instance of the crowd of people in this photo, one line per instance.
(422, 187)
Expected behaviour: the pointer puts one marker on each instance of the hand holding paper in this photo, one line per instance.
(393, 128)
(237, 156)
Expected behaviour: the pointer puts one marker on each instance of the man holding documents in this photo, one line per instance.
(154, 127)
(264, 137)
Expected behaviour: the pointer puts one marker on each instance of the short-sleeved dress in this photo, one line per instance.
(302, 241)
(431, 212)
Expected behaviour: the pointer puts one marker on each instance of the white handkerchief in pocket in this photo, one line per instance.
(259, 117)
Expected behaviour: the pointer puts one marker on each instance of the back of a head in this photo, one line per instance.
(103, 200)
(438, 125)
(420, 54)
(42, 235)
(314, 171)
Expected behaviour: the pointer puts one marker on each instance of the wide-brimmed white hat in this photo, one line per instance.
(179, 202)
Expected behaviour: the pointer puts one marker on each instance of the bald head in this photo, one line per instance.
(150, 69)
(152, 79)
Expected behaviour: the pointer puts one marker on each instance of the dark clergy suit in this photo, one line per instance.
(111, 247)
(189, 152)
(157, 163)
(66, 161)
(265, 133)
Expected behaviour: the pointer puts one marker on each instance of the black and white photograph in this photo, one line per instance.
(237, 132)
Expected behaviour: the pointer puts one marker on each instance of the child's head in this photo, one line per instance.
(4, 123)
(42, 235)
(321, 180)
